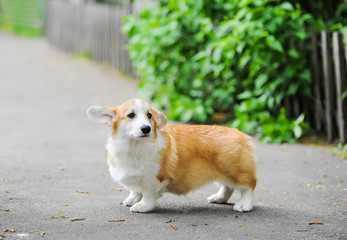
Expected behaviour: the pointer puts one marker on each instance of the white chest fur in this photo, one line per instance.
(136, 163)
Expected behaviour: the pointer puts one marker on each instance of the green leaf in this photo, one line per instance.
(293, 53)
(297, 132)
(244, 95)
(273, 43)
(344, 95)
(286, 6)
(299, 120)
(261, 80)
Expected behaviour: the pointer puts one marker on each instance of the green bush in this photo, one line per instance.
(242, 58)
(23, 17)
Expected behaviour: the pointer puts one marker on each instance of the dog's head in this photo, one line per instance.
(134, 119)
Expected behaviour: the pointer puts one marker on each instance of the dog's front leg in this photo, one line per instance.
(147, 203)
(133, 198)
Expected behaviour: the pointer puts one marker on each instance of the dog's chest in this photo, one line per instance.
(133, 164)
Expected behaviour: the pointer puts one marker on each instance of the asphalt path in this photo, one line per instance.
(54, 179)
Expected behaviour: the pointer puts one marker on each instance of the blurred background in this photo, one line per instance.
(273, 68)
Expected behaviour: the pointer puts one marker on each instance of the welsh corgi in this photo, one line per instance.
(149, 157)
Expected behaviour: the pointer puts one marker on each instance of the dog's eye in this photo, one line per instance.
(131, 115)
(149, 115)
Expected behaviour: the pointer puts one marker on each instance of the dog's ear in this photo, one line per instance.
(159, 118)
(102, 114)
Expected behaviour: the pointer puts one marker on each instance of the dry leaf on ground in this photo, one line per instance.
(77, 219)
(82, 192)
(117, 189)
(42, 234)
(117, 220)
(173, 226)
(6, 210)
(9, 230)
(315, 223)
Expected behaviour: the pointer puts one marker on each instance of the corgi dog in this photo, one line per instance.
(150, 157)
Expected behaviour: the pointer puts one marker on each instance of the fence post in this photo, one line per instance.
(340, 79)
(327, 73)
(318, 108)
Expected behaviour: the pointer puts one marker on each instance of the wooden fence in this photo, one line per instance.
(90, 27)
(326, 110)
(330, 75)
(97, 28)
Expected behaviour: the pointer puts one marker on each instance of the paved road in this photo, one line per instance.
(49, 151)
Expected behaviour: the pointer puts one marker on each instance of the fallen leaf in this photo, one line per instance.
(77, 219)
(324, 175)
(265, 189)
(42, 234)
(339, 183)
(236, 217)
(82, 192)
(61, 168)
(173, 226)
(6, 210)
(241, 225)
(117, 189)
(169, 221)
(9, 230)
(315, 223)
(65, 205)
(309, 185)
(54, 217)
(117, 220)
(187, 212)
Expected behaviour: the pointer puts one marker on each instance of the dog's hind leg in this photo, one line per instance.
(245, 203)
(222, 195)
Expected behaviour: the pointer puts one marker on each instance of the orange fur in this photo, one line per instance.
(196, 155)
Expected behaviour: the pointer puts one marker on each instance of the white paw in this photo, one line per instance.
(129, 201)
(140, 207)
(243, 207)
(216, 198)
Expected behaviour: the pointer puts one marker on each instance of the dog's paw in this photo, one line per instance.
(243, 207)
(140, 207)
(130, 201)
(216, 198)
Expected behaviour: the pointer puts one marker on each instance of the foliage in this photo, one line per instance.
(196, 58)
(340, 150)
(330, 14)
(86, 54)
(23, 17)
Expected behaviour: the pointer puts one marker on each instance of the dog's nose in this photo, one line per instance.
(145, 129)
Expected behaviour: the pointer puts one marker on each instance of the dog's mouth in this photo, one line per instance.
(144, 135)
